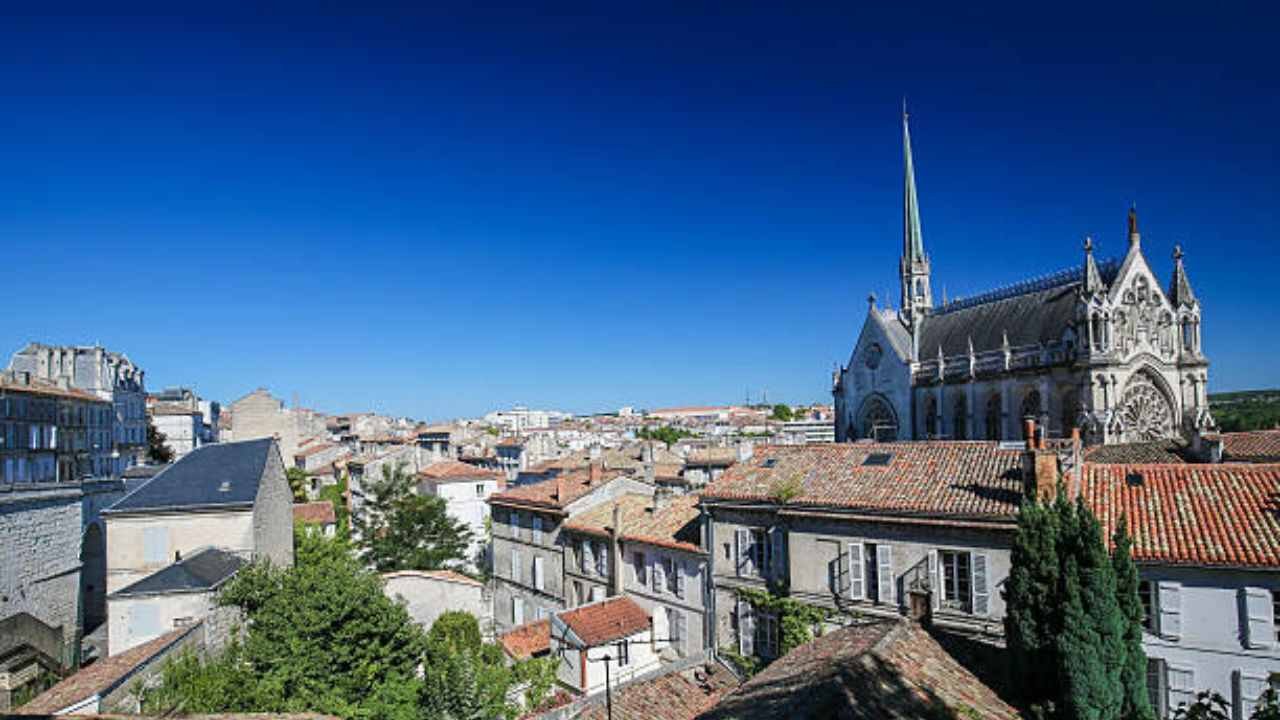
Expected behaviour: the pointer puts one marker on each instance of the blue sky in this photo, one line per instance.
(436, 210)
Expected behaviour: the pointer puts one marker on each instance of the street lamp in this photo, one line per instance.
(623, 650)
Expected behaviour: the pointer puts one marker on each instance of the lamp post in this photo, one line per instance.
(623, 649)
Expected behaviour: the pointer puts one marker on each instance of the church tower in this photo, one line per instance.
(917, 298)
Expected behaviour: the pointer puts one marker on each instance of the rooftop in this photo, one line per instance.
(204, 570)
(1215, 515)
(1252, 446)
(934, 479)
(445, 575)
(221, 474)
(674, 696)
(676, 526)
(1158, 451)
(603, 622)
(319, 512)
(555, 493)
(453, 470)
(883, 670)
(527, 640)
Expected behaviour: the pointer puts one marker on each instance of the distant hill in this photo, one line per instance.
(1246, 410)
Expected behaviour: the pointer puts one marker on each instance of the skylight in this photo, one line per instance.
(877, 459)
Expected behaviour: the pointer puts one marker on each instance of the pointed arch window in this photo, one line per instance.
(959, 416)
(930, 417)
(879, 422)
(1031, 406)
(993, 417)
(1070, 411)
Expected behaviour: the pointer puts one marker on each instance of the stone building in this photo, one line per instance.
(175, 597)
(465, 490)
(186, 420)
(51, 432)
(108, 375)
(1103, 346)
(260, 415)
(428, 594)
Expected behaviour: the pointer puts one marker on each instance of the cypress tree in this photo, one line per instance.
(1031, 597)
(1135, 704)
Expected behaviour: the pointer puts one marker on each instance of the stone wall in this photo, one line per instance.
(273, 513)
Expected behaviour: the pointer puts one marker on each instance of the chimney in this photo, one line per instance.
(595, 472)
(594, 453)
(559, 487)
(662, 498)
(646, 453)
(1040, 468)
(615, 548)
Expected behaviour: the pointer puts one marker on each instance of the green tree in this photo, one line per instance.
(782, 413)
(398, 529)
(1136, 704)
(457, 630)
(1207, 706)
(337, 494)
(297, 478)
(158, 450)
(1030, 592)
(666, 434)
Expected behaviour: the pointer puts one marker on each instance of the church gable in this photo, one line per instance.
(876, 384)
(1142, 316)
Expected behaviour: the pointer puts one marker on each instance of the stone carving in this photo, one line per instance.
(1145, 412)
(1144, 323)
(872, 356)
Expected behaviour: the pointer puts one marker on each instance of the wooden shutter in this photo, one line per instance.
(515, 565)
(742, 542)
(678, 566)
(659, 575)
(746, 629)
(884, 574)
(681, 632)
(538, 573)
(1181, 682)
(1170, 600)
(857, 583)
(597, 593)
(1259, 625)
(778, 554)
(981, 589)
(935, 580)
(1248, 691)
(588, 557)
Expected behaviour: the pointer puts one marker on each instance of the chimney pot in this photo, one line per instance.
(594, 473)
(1029, 431)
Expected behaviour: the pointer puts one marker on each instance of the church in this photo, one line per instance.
(1100, 346)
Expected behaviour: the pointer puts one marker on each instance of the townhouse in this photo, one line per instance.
(528, 551)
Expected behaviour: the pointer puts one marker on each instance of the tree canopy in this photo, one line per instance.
(782, 413)
(398, 529)
(158, 450)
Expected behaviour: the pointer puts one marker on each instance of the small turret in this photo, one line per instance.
(1092, 278)
(1180, 294)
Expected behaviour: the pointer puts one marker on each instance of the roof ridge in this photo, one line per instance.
(1059, 278)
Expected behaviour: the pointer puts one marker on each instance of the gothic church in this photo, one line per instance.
(1101, 347)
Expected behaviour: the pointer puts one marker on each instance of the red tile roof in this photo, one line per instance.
(1160, 451)
(555, 493)
(453, 470)
(447, 575)
(100, 676)
(675, 526)
(1222, 515)
(510, 442)
(674, 696)
(312, 450)
(886, 670)
(527, 640)
(319, 512)
(1253, 446)
(606, 621)
(38, 386)
(948, 479)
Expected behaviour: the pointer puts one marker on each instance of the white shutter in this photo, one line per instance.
(935, 580)
(661, 627)
(538, 574)
(682, 632)
(857, 584)
(742, 540)
(778, 554)
(659, 575)
(746, 629)
(537, 528)
(597, 593)
(678, 566)
(1170, 599)
(515, 565)
(981, 590)
(1248, 692)
(602, 559)
(588, 557)
(1259, 625)
(517, 611)
(884, 574)
(1181, 682)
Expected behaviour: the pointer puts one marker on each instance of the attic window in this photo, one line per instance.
(769, 462)
(877, 459)
(225, 486)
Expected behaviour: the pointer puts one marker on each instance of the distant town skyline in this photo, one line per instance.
(436, 213)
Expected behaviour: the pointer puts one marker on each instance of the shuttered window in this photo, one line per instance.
(539, 581)
(981, 590)
(1181, 682)
(1258, 623)
(1169, 595)
(857, 568)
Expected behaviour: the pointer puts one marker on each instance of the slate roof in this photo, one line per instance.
(884, 670)
(1202, 515)
(1031, 312)
(204, 570)
(674, 696)
(1159, 451)
(1253, 446)
(221, 474)
(948, 479)
(676, 526)
(605, 621)
(527, 640)
(100, 677)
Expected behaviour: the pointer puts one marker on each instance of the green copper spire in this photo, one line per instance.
(912, 242)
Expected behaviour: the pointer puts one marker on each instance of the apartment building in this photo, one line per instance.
(52, 432)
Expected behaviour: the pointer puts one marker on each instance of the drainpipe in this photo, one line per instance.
(709, 623)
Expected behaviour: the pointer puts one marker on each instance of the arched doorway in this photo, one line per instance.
(93, 576)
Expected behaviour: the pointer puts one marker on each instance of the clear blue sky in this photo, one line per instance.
(439, 211)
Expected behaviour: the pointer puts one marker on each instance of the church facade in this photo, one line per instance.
(1103, 347)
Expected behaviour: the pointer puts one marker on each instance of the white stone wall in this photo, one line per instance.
(40, 560)
(135, 620)
(127, 538)
(427, 598)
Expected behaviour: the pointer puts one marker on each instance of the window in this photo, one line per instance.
(640, 568)
(959, 415)
(1146, 596)
(537, 529)
(539, 581)
(993, 417)
(676, 629)
(1156, 692)
(672, 571)
(766, 634)
(1275, 611)
(517, 611)
(956, 580)
(754, 552)
(872, 572)
(577, 593)
(479, 489)
(602, 558)
(623, 653)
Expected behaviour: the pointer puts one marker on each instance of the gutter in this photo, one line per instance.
(160, 509)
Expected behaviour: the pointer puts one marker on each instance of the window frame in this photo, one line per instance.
(957, 581)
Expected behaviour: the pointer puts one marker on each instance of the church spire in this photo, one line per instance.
(1134, 237)
(1092, 278)
(1180, 288)
(917, 297)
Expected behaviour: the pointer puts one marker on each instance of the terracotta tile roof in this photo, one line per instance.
(885, 670)
(1253, 446)
(312, 450)
(453, 470)
(447, 575)
(38, 386)
(676, 526)
(674, 696)
(527, 640)
(949, 479)
(555, 493)
(1223, 515)
(319, 512)
(668, 471)
(510, 442)
(99, 677)
(718, 456)
(1161, 451)
(606, 621)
